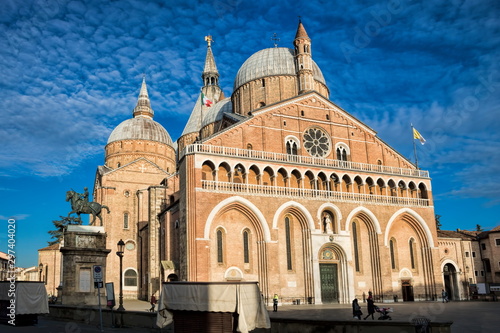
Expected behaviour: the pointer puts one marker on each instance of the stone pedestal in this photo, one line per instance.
(84, 247)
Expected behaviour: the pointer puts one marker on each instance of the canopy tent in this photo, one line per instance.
(243, 298)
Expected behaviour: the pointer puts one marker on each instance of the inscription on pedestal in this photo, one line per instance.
(85, 241)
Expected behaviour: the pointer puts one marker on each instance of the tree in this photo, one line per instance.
(438, 222)
(60, 227)
(478, 228)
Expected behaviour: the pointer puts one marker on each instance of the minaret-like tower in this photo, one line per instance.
(210, 91)
(143, 107)
(303, 60)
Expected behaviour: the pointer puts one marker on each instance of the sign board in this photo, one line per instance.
(98, 284)
(98, 273)
(110, 295)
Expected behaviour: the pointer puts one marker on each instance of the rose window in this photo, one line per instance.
(316, 142)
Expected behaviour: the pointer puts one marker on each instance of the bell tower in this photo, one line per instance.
(303, 59)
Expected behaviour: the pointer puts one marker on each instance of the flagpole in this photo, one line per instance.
(414, 146)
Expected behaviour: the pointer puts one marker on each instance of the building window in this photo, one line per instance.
(125, 220)
(412, 258)
(130, 278)
(220, 254)
(482, 273)
(288, 244)
(473, 254)
(393, 254)
(467, 254)
(487, 265)
(355, 244)
(483, 246)
(342, 152)
(497, 242)
(291, 147)
(317, 142)
(246, 255)
(475, 273)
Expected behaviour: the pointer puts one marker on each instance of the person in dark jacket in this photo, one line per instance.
(153, 303)
(370, 306)
(356, 309)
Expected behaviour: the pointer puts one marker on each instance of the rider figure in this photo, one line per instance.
(84, 198)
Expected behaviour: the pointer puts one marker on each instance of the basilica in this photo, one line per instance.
(275, 184)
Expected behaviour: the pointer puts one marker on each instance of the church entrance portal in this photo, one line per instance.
(450, 281)
(407, 291)
(329, 283)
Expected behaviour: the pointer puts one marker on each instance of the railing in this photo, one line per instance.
(296, 159)
(277, 191)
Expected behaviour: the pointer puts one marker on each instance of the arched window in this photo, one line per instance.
(341, 154)
(288, 244)
(130, 278)
(220, 253)
(355, 244)
(246, 250)
(412, 254)
(292, 146)
(392, 248)
(125, 220)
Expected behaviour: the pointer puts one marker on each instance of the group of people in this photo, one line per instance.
(356, 308)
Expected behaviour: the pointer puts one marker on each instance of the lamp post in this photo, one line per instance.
(121, 246)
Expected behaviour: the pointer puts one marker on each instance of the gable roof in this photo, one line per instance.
(296, 100)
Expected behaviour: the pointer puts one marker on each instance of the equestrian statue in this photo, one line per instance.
(80, 205)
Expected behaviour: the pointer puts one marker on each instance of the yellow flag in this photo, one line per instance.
(417, 135)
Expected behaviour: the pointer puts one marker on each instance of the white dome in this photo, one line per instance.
(270, 62)
(140, 128)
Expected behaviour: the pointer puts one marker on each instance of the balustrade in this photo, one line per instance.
(297, 159)
(291, 192)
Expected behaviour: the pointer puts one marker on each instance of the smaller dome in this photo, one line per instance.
(140, 128)
(216, 112)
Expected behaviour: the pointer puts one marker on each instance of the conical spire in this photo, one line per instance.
(210, 74)
(301, 31)
(143, 107)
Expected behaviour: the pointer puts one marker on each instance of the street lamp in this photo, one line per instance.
(121, 246)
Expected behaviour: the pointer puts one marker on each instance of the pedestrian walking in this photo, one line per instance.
(370, 306)
(356, 309)
(444, 294)
(275, 303)
(153, 303)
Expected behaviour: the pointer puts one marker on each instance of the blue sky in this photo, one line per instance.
(71, 72)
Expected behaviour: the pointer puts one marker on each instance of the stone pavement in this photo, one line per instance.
(467, 317)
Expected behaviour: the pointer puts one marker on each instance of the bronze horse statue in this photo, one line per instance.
(80, 206)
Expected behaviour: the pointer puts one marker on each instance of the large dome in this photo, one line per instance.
(269, 62)
(140, 128)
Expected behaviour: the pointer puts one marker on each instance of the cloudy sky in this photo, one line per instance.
(71, 72)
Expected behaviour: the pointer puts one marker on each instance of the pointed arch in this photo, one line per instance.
(366, 211)
(336, 212)
(245, 205)
(420, 223)
(294, 206)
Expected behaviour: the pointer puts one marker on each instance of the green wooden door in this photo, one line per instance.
(329, 283)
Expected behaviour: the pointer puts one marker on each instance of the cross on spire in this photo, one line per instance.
(275, 39)
(209, 40)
